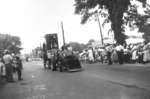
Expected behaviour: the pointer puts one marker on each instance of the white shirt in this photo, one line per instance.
(49, 55)
(109, 48)
(7, 59)
(119, 48)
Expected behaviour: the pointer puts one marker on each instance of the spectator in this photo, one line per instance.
(8, 63)
(19, 67)
(2, 70)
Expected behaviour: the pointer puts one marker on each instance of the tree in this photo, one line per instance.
(77, 46)
(146, 30)
(116, 10)
(90, 42)
(140, 21)
(11, 43)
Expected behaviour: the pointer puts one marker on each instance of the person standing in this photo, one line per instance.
(2, 70)
(140, 54)
(49, 58)
(19, 67)
(90, 55)
(109, 49)
(120, 53)
(146, 53)
(45, 59)
(114, 56)
(54, 59)
(7, 58)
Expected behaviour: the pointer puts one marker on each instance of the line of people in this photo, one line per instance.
(10, 64)
(116, 53)
(135, 53)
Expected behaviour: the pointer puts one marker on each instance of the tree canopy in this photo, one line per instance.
(11, 43)
(119, 13)
(77, 46)
(90, 42)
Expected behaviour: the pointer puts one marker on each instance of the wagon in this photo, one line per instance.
(69, 63)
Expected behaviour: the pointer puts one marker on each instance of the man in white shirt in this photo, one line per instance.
(90, 55)
(7, 58)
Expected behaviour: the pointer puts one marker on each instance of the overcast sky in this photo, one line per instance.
(32, 19)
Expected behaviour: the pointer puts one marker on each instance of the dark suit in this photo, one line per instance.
(19, 67)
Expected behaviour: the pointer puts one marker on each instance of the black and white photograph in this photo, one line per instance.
(74, 49)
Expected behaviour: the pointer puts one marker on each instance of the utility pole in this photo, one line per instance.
(100, 29)
(63, 33)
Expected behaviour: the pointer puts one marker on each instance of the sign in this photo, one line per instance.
(51, 41)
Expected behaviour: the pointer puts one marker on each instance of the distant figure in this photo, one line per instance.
(2, 70)
(27, 59)
(120, 51)
(45, 59)
(49, 58)
(109, 53)
(146, 56)
(114, 56)
(90, 55)
(19, 67)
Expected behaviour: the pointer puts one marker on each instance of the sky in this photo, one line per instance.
(32, 19)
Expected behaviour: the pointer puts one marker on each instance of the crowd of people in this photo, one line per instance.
(10, 64)
(116, 53)
(110, 54)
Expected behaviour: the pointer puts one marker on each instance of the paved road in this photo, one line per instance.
(96, 81)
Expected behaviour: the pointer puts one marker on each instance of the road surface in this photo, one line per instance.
(96, 81)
